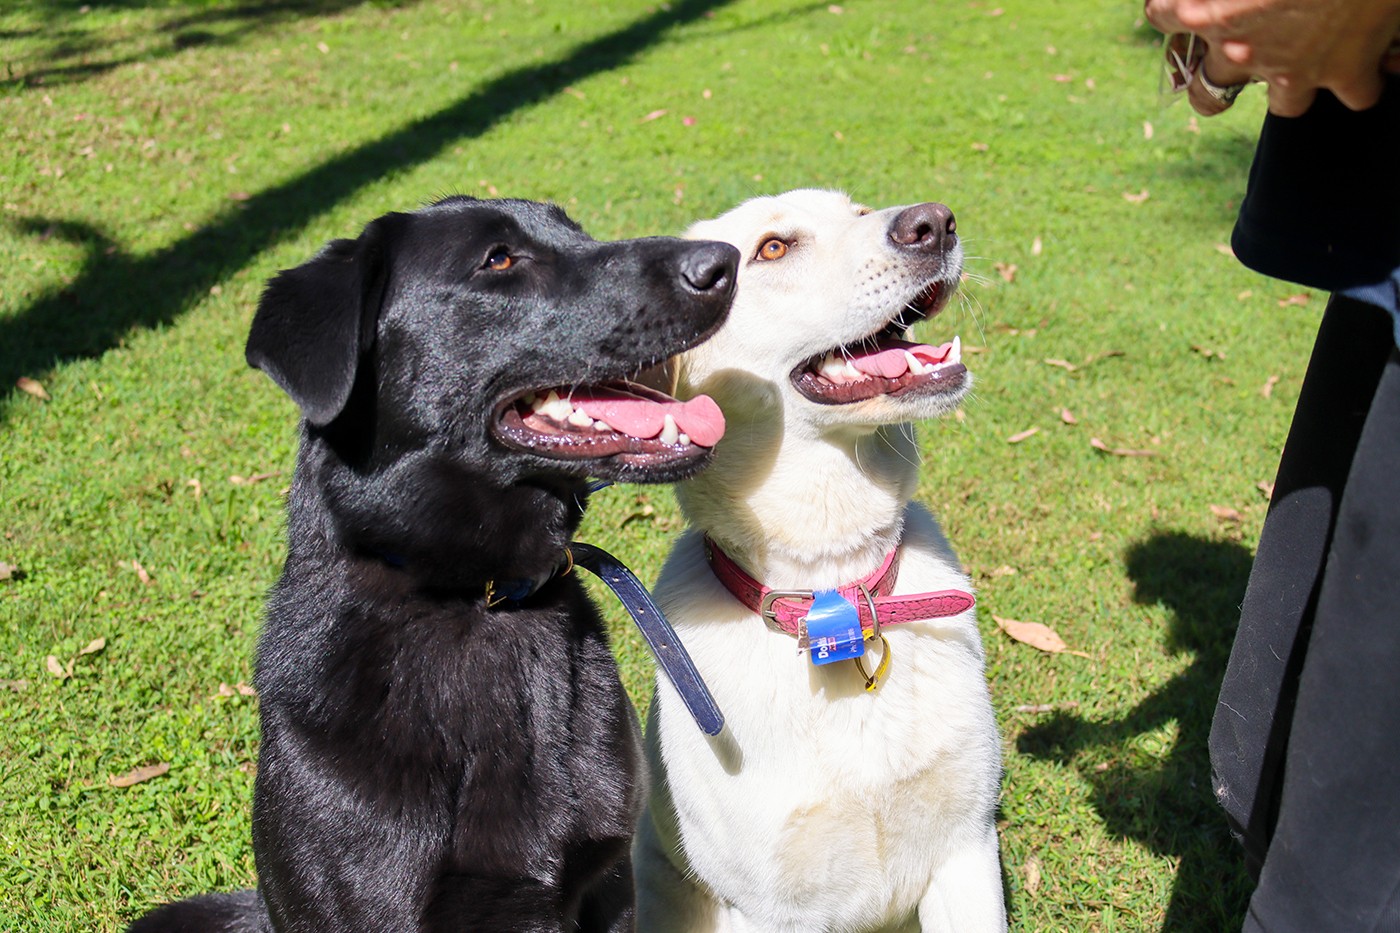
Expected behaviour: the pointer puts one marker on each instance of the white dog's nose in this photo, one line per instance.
(927, 228)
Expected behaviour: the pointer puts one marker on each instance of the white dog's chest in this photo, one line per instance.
(820, 800)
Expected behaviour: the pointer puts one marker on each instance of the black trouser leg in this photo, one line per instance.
(1250, 733)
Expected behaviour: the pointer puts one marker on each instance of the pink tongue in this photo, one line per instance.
(891, 362)
(699, 418)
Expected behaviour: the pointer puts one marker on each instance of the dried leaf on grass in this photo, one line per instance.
(1042, 637)
(7, 571)
(255, 478)
(1007, 270)
(1226, 514)
(1063, 364)
(32, 387)
(1022, 435)
(1136, 198)
(1266, 488)
(141, 573)
(1267, 389)
(1046, 707)
(654, 115)
(94, 646)
(1097, 444)
(137, 775)
(1032, 872)
(1067, 416)
(238, 689)
(1105, 355)
(56, 668)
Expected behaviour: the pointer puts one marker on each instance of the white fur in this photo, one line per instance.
(821, 807)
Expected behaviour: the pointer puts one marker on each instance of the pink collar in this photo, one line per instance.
(785, 610)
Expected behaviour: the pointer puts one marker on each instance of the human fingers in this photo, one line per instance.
(1163, 14)
(1362, 92)
(1216, 83)
(1289, 99)
(1223, 70)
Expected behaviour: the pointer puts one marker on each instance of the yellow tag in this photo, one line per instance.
(872, 681)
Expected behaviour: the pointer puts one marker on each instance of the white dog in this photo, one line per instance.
(858, 794)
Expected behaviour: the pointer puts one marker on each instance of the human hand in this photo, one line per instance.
(1296, 46)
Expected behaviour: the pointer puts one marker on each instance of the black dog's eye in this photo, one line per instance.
(499, 260)
(772, 248)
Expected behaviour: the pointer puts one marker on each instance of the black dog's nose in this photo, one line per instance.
(710, 266)
(924, 227)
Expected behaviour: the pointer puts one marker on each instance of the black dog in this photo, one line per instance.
(445, 742)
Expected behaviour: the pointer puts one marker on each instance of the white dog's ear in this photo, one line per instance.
(663, 377)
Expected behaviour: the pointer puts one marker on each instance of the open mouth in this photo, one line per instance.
(638, 426)
(884, 363)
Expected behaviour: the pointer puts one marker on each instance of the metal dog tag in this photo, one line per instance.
(833, 629)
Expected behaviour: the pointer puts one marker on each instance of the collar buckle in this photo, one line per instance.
(770, 615)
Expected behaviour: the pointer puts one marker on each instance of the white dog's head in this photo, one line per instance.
(828, 290)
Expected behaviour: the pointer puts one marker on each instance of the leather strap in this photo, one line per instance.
(671, 656)
(787, 612)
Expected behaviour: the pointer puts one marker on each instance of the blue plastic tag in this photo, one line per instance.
(833, 628)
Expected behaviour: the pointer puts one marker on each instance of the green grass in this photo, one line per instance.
(158, 161)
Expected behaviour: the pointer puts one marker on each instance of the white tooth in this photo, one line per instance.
(915, 366)
(683, 439)
(557, 408)
(536, 403)
(955, 354)
(580, 420)
(601, 426)
(669, 432)
(851, 372)
(832, 368)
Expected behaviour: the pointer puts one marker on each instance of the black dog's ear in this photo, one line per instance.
(315, 321)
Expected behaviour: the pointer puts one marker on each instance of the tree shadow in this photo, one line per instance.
(1168, 804)
(66, 53)
(116, 291)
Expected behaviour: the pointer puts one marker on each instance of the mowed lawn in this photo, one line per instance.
(1108, 478)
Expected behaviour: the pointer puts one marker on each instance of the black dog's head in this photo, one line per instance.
(490, 341)
(453, 325)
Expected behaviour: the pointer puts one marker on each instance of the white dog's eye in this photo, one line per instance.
(498, 260)
(772, 248)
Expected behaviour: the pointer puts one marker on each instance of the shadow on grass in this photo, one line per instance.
(67, 53)
(116, 291)
(1168, 804)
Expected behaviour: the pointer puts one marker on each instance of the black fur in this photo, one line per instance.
(427, 762)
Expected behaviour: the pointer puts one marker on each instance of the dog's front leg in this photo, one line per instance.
(967, 895)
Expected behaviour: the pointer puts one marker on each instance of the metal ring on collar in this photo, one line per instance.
(874, 616)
